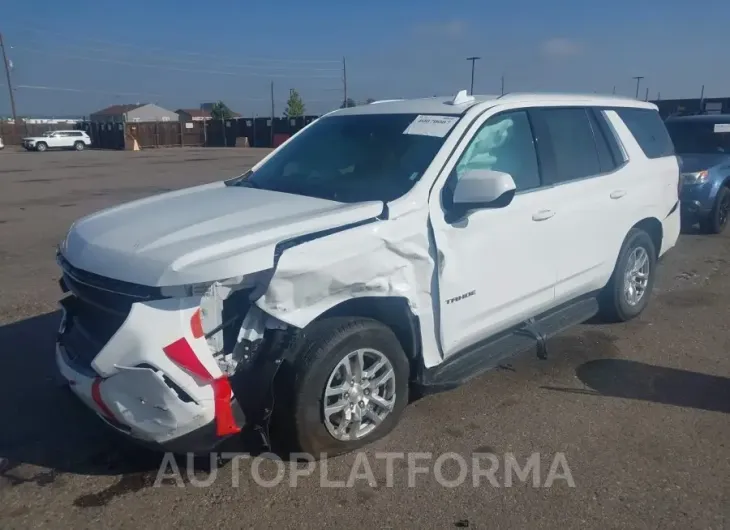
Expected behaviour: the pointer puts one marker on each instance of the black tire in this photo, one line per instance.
(41, 147)
(615, 306)
(79, 146)
(717, 220)
(298, 411)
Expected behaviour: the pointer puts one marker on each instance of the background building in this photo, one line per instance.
(140, 112)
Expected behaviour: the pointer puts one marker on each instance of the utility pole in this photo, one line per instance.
(503, 84)
(344, 81)
(10, 87)
(702, 99)
(638, 81)
(614, 89)
(647, 94)
(473, 60)
(272, 114)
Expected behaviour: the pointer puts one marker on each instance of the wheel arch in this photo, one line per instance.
(393, 312)
(653, 227)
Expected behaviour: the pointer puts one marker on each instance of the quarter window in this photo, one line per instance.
(648, 128)
(504, 143)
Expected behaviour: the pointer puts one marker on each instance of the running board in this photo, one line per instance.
(487, 355)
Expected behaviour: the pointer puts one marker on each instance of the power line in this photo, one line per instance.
(149, 94)
(182, 61)
(200, 54)
(172, 68)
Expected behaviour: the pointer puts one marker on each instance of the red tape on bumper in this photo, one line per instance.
(182, 354)
(225, 423)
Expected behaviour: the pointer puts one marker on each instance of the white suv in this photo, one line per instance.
(77, 140)
(386, 249)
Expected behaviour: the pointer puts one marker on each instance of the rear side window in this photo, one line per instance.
(566, 142)
(648, 128)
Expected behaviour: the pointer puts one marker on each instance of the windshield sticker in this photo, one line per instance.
(438, 126)
(722, 127)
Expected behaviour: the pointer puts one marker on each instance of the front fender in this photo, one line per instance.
(382, 259)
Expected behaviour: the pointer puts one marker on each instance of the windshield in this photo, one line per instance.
(353, 158)
(699, 137)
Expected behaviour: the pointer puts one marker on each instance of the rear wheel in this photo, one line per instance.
(79, 146)
(41, 146)
(717, 220)
(627, 293)
(347, 387)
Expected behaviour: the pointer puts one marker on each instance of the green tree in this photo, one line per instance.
(220, 111)
(349, 102)
(294, 106)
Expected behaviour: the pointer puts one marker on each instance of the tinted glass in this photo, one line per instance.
(605, 158)
(573, 146)
(695, 137)
(504, 143)
(349, 159)
(649, 130)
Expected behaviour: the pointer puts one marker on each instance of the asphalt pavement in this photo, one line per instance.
(630, 423)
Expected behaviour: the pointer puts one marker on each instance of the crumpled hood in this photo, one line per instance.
(692, 163)
(200, 234)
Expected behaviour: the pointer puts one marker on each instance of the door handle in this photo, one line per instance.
(617, 194)
(542, 215)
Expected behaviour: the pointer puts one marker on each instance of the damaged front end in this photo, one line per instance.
(248, 344)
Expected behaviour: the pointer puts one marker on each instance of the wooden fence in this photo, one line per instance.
(239, 132)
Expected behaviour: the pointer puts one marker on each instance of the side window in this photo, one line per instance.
(648, 128)
(504, 143)
(569, 132)
(617, 153)
(605, 157)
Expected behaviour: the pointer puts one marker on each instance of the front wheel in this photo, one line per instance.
(717, 219)
(40, 147)
(79, 146)
(347, 387)
(627, 293)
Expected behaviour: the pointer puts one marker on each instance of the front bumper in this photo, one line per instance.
(696, 200)
(152, 379)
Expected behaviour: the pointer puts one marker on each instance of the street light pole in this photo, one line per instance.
(473, 60)
(638, 81)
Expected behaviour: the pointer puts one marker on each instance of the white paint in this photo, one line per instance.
(189, 125)
(722, 127)
(438, 126)
(513, 262)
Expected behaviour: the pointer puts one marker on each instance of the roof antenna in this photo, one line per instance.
(461, 98)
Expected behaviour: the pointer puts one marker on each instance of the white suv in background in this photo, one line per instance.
(384, 249)
(77, 140)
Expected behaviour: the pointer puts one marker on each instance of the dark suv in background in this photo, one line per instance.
(702, 143)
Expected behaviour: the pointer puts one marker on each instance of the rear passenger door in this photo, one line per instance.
(582, 168)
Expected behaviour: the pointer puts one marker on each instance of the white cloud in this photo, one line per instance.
(449, 29)
(559, 48)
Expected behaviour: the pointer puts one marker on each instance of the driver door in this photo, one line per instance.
(55, 140)
(494, 264)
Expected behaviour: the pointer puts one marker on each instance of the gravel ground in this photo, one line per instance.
(640, 411)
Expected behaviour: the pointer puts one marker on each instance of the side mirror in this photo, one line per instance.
(484, 188)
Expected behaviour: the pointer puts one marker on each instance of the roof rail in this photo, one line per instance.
(384, 101)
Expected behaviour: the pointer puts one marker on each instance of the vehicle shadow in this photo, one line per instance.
(669, 386)
(43, 424)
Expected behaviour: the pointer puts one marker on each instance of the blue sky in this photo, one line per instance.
(182, 53)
